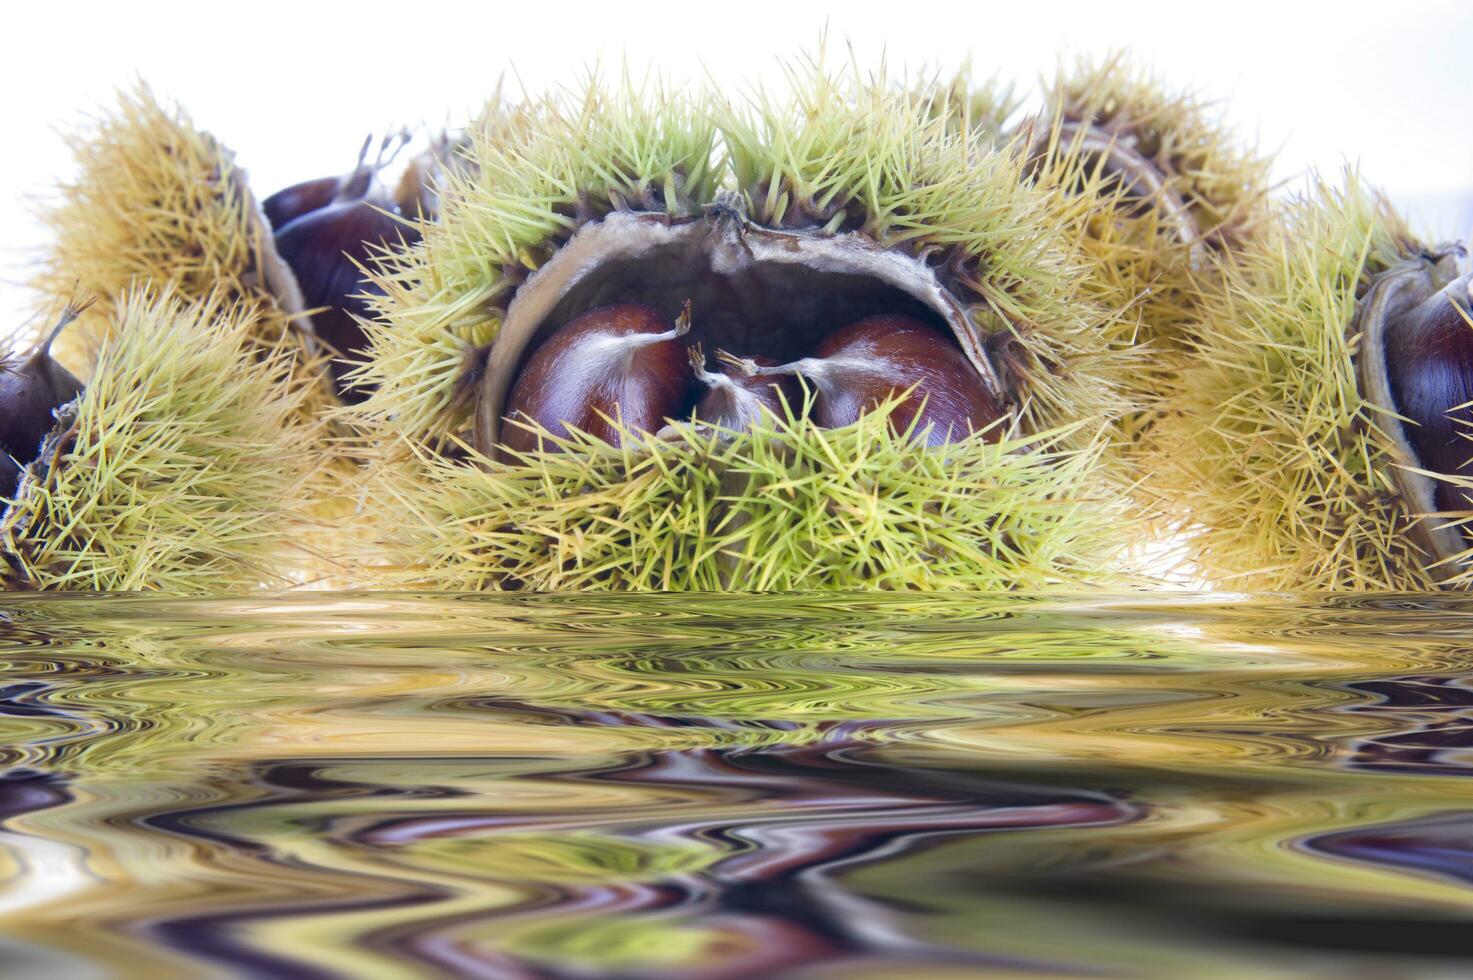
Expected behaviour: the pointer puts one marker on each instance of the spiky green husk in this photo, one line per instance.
(1143, 261)
(979, 109)
(1269, 453)
(157, 202)
(181, 467)
(853, 508)
(844, 152)
(1223, 182)
(786, 505)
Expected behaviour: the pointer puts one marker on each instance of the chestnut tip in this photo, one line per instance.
(74, 308)
(698, 361)
(746, 365)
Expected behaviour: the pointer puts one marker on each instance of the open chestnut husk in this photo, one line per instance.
(781, 224)
(772, 294)
(1312, 439)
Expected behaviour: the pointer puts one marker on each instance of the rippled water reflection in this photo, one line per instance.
(785, 786)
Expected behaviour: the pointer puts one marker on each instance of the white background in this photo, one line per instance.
(294, 87)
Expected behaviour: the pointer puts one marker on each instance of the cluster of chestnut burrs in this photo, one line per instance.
(1091, 312)
(624, 369)
(325, 229)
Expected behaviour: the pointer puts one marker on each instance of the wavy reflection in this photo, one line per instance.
(719, 786)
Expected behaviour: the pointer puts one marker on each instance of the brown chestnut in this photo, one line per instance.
(1429, 364)
(622, 362)
(32, 388)
(869, 361)
(325, 249)
(9, 477)
(325, 230)
(735, 400)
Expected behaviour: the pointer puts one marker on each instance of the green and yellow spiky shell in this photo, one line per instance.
(783, 506)
(1271, 456)
(1207, 195)
(157, 202)
(787, 505)
(182, 466)
(1221, 181)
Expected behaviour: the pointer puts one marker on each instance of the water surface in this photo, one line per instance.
(736, 786)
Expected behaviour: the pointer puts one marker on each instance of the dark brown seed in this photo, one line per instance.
(291, 203)
(1429, 358)
(735, 400)
(623, 361)
(324, 249)
(9, 477)
(32, 388)
(878, 358)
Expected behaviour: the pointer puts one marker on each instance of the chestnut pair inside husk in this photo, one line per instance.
(851, 247)
(327, 230)
(590, 346)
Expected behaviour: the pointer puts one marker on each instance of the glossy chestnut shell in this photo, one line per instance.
(326, 249)
(1415, 361)
(620, 365)
(879, 358)
(32, 388)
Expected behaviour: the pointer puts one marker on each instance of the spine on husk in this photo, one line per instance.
(760, 216)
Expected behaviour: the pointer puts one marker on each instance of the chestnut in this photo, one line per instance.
(1429, 364)
(9, 477)
(325, 230)
(733, 399)
(623, 363)
(869, 361)
(325, 249)
(32, 388)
